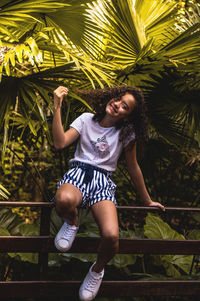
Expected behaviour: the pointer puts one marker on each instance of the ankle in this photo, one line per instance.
(73, 222)
(97, 268)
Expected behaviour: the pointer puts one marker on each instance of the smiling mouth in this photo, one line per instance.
(113, 108)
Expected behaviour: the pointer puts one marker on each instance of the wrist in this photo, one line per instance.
(56, 109)
(147, 202)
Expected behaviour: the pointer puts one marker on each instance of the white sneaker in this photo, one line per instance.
(90, 285)
(65, 237)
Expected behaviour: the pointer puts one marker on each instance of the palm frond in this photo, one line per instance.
(128, 32)
(159, 19)
(4, 192)
(27, 52)
(175, 114)
(185, 47)
(120, 26)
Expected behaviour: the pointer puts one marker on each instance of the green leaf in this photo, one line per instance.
(4, 192)
(29, 230)
(156, 228)
(10, 221)
(4, 232)
(194, 234)
(73, 95)
(122, 260)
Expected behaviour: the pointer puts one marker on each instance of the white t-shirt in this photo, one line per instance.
(97, 145)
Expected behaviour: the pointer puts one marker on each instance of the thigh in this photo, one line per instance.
(68, 193)
(105, 214)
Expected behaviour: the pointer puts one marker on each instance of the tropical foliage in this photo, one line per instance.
(150, 42)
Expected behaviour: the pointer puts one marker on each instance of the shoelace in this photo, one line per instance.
(90, 285)
(68, 232)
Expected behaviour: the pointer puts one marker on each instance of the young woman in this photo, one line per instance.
(119, 123)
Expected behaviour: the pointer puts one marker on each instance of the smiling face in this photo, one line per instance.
(120, 109)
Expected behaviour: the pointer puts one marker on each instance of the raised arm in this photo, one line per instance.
(137, 177)
(61, 139)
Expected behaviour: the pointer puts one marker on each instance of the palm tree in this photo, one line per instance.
(88, 44)
(152, 45)
(42, 45)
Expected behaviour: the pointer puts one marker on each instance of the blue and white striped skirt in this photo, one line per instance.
(93, 182)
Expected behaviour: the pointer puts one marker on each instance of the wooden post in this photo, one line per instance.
(44, 230)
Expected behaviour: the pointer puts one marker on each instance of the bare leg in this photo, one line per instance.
(68, 198)
(105, 214)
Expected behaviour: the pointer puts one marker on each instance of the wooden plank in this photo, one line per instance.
(90, 245)
(56, 289)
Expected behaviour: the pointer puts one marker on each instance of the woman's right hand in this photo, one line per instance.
(59, 94)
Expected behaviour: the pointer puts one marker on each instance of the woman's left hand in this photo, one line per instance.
(156, 204)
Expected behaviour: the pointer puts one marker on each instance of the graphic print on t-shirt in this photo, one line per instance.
(101, 147)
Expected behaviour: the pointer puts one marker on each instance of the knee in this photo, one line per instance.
(64, 201)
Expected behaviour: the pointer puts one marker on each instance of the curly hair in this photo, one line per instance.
(137, 121)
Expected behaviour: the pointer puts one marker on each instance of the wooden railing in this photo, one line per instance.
(44, 244)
